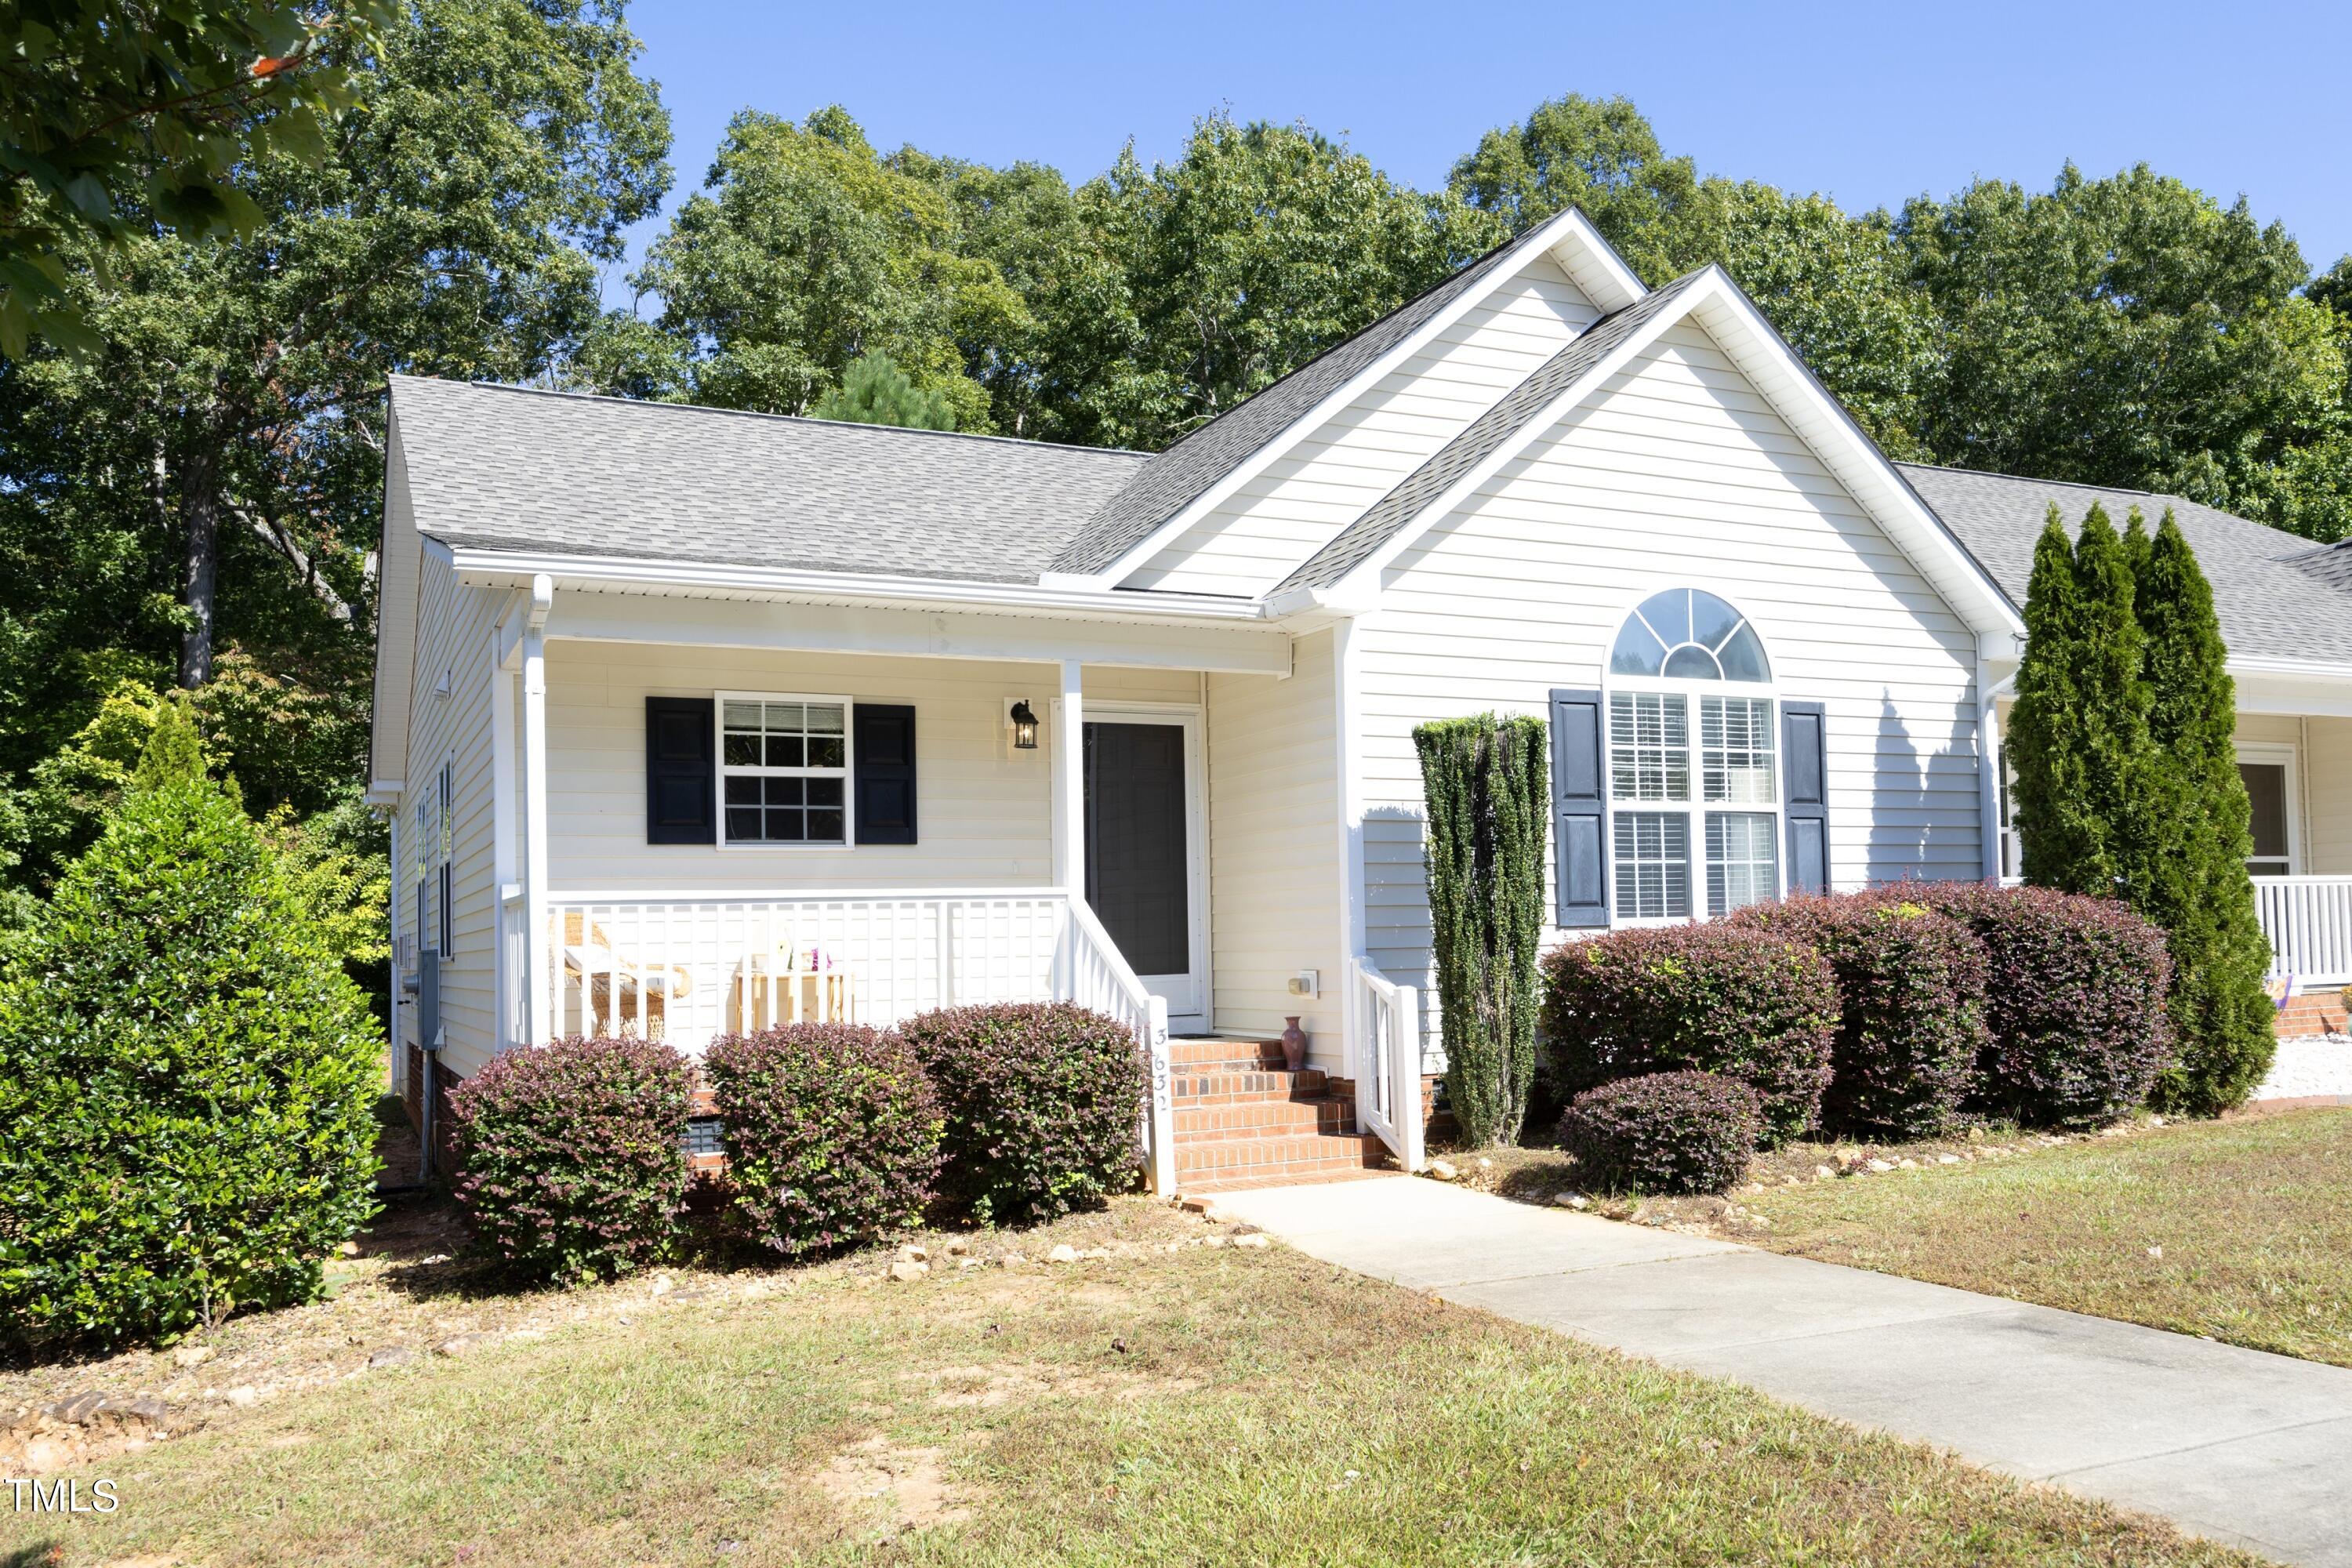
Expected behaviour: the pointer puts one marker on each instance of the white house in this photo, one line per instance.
(691, 720)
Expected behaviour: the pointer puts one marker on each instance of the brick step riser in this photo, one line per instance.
(1205, 1087)
(1279, 1117)
(1241, 1055)
(1254, 1155)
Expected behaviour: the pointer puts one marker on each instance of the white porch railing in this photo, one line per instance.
(688, 970)
(1385, 1019)
(2309, 923)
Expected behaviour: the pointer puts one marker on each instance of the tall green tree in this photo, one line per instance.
(1486, 785)
(873, 390)
(2129, 331)
(111, 109)
(2078, 735)
(805, 249)
(1600, 154)
(2191, 873)
(210, 479)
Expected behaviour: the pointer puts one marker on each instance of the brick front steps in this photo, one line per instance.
(1243, 1121)
(2313, 1012)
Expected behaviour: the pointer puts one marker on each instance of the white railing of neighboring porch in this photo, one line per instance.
(1385, 1018)
(687, 970)
(2309, 923)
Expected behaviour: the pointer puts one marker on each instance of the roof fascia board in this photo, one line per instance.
(1361, 584)
(1575, 231)
(397, 580)
(919, 632)
(1821, 422)
(1593, 265)
(615, 574)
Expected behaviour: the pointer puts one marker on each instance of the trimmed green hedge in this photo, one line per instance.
(187, 1080)
(1663, 1132)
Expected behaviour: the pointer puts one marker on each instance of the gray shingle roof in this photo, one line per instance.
(1362, 539)
(2272, 606)
(502, 468)
(1175, 478)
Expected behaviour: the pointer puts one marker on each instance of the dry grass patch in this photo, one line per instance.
(1186, 1405)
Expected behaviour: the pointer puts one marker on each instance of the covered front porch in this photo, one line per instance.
(1135, 818)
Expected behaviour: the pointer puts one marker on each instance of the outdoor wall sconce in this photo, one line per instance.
(1024, 726)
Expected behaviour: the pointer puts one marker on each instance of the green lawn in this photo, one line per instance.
(2240, 1230)
(1190, 1405)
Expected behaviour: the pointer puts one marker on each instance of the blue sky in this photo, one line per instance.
(1870, 104)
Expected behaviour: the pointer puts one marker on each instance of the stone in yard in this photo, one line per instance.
(1880, 1166)
(1092, 1253)
(1442, 1170)
(1214, 1241)
(349, 1249)
(76, 1408)
(1947, 1159)
(188, 1356)
(1572, 1200)
(2156, 1252)
(905, 1270)
(243, 1395)
(1062, 1252)
(964, 1263)
(145, 1410)
(1822, 1172)
(958, 1248)
(911, 1253)
(461, 1344)
(661, 1286)
(391, 1356)
(1012, 1260)
(1907, 1164)
(1252, 1240)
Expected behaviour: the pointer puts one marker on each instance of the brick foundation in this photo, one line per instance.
(2314, 1012)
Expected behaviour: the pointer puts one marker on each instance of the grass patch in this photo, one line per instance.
(1195, 1404)
(2241, 1229)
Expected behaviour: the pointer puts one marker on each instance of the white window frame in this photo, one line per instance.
(2287, 757)
(1697, 808)
(847, 772)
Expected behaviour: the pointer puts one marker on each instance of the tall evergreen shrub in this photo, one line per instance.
(2190, 877)
(1487, 788)
(187, 1076)
(2078, 736)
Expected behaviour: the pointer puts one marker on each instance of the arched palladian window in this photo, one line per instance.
(1695, 789)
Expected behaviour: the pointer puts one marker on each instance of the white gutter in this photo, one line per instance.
(2303, 668)
(592, 573)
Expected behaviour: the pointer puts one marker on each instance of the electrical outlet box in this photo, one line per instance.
(1306, 982)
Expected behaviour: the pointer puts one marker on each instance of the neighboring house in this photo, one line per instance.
(692, 720)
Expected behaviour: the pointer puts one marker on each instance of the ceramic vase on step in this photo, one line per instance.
(1294, 1045)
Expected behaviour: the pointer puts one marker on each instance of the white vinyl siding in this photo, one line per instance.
(1677, 474)
(1274, 861)
(984, 808)
(453, 637)
(2325, 796)
(1302, 499)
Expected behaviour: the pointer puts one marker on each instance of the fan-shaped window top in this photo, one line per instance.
(1688, 634)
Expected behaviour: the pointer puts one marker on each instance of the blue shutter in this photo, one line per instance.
(1805, 767)
(885, 764)
(1579, 811)
(682, 770)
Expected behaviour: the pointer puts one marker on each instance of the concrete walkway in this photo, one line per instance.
(2245, 1447)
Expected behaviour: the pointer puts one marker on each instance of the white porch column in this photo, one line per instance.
(506, 878)
(1070, 783)
(538, 947)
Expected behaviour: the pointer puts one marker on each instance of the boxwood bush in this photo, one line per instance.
(1663, 1132)
(831, 1133)
(187, 1078)
(1911, 996)
(1753, 1004)
(2074, 991)
(1042, 1100)
(572, 1156)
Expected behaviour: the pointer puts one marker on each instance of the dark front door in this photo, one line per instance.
(1139, 869)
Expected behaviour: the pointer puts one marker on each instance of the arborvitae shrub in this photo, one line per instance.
(2075, 995)
(831, 1133)
(1484, 782)
(1042, 1103)
(1663, 1132)
(572, 1156)
(1911, 998)
(187, 1078)
(1751, 1004)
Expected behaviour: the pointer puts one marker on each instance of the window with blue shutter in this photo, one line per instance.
(883, 762)
(681, 773)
